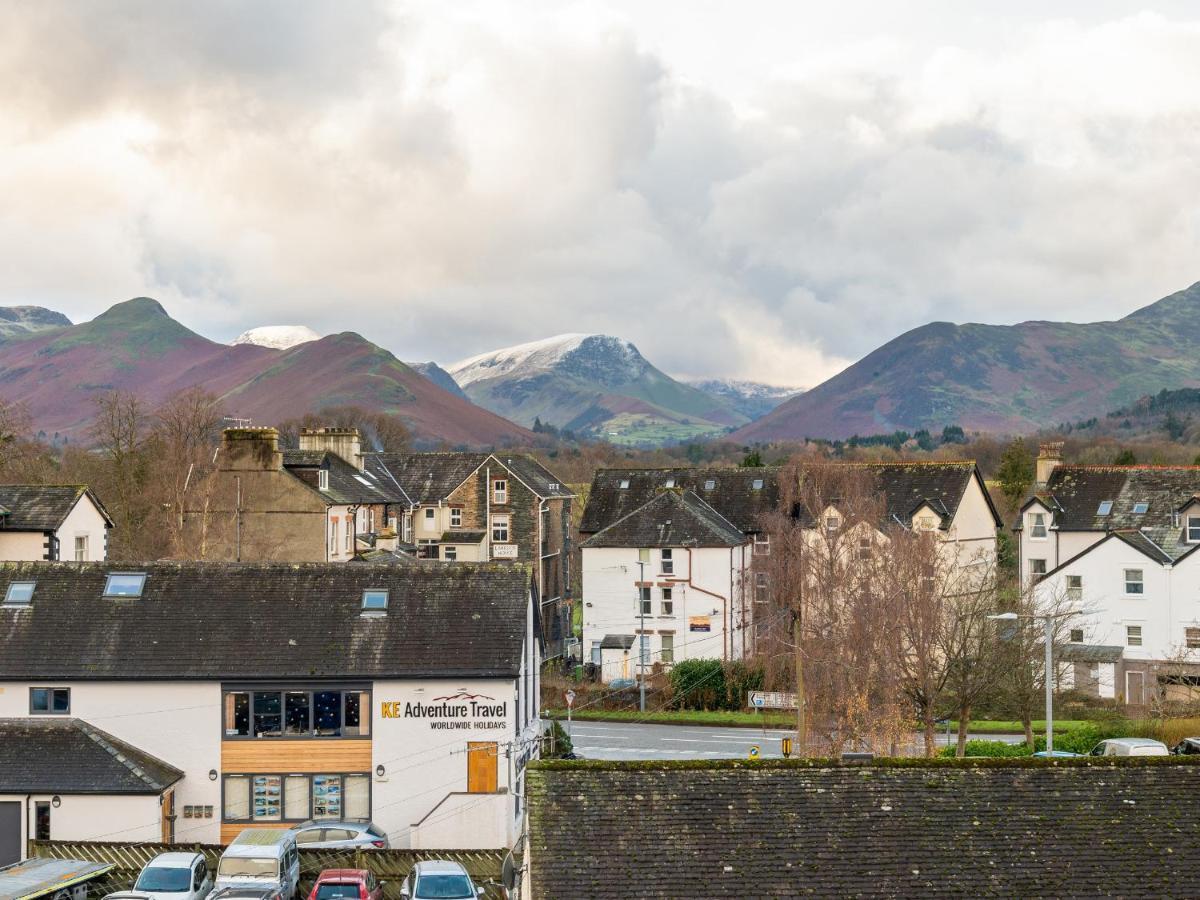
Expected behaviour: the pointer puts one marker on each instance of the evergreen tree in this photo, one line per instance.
(1015, 473)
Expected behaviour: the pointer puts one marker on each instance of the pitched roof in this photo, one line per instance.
(240, 620)
(430, 477)
(41, 507)
(1090, 653)
(534, 475)
(69, 756)
(1075, 494)
(670, 519)
(992, 828)
(616, 642)
(346, 484)
(731, 492)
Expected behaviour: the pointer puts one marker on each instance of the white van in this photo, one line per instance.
(261, 858)
(1130, 747)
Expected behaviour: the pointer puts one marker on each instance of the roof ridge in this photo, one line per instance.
(109, 743)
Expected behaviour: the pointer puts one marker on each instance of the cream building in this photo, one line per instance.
(52, 522)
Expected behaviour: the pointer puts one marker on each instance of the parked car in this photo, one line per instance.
(1187, 747)
(1056, 754)
(174, 876)
(1130, 747)
(263, 859)
(340, 834)
(346, 884)
(435, 878)
(246, 894)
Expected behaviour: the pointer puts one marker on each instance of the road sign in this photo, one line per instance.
(786, 747)
(570, 699)
(754, 752)
(772, 700)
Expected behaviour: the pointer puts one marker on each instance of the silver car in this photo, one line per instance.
(339, 834)
(441, 879)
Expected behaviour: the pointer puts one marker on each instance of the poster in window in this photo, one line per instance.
(268, 795)
(327, 796)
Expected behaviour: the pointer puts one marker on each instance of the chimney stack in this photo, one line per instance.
(343, 442)
(250, 449)
(1049, 457)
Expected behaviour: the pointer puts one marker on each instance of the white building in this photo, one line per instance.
(52, 522)
(1117, 543)
(265, 694)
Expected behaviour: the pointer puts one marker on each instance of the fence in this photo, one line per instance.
(390, 866)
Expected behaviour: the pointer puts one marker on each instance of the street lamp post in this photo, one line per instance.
(641, 638)
(1047, 621)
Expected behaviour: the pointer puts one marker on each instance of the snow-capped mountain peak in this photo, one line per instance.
(277, 337)
(572, 350)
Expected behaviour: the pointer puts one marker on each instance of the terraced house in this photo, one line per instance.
(52, 521)
(1117, 544)
(208, 698)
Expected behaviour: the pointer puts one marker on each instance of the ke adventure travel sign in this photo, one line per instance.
(461, 710)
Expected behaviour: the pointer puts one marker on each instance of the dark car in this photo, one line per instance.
(1186, 747)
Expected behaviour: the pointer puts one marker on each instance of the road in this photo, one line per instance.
(622, 740)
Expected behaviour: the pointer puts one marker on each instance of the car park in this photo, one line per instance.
(440, 879)
(340, 834)
(261, 858)
(1187, 747)
(1130, 747)
(175, 876)
(347, 884)
(246, 894)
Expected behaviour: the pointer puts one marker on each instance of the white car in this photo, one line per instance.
(1130, 747)
(175, 876)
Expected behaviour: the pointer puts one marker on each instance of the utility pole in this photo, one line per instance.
(797, 635)
(642, 634)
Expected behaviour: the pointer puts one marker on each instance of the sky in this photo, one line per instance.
(762, 190)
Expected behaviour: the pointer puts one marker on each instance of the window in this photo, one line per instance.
(322, 479)
(236, 806)
(1133, 581)
(124, 584)
(455, 517)
(926, 523)
(1193, 529)
(49, 701)
(500, 529)
(1037, 567)
(1074, 587)
(41, 820)
(644, 602)
(296, 713)
(500, 490)
(375, 599)
(237, 714)
(762, 544)
(864, 547)
(1133, 635)
(710, 484)
(1076, 635)
(19, 593)
(1037, 528)
(429, 517)
(757, 484)
(268, 714)
(297, 798)
(349, 533)
(450, 554)
(668, 562)
(832, 523)
(1141, 508)
(333, 535)
(624, 484)
(667, 605)
(670, 482)
(762, 588)
(1191, 637)
(644, 556)
(596, 653)
(81, 548)
(1104, 508)
(668, 648)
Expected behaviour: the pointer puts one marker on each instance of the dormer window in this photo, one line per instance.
(125, 584)
(926, 523)
(1193, 529)
(832, 523)
(375, 600)
(1141, 508)
(19, 593)
(1037, 526)
(757, 484)
(323, 479)
(1105, 508)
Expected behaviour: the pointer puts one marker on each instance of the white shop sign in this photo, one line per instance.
(504, 551)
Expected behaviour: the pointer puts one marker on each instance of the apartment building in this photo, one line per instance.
(52, 521)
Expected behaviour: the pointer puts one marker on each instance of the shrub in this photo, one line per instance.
(699, 684)
(555, 743)
(740, 680)
(989, 748)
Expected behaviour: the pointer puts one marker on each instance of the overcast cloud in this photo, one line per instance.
(742, 189)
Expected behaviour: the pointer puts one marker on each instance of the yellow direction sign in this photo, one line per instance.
(754, 752)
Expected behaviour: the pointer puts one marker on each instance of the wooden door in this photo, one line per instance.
(483, 767)
(1135, 688)
(168, 817)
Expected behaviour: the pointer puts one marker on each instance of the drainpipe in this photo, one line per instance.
(28, 831)
(487, 514)
(724, 605)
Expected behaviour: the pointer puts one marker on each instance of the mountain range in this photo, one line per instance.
(57, 370)
(999, 378)
(592, 384)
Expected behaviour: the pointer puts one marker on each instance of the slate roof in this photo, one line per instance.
(241, 620)
(430, 477)
(908, 486)
(346, 483)
(616, 642)
(732, 494)
(41, 507)
(1074, 494)
(911, 828)
(670, 519)
(69, 756)
(1090, 653)
(463, 537)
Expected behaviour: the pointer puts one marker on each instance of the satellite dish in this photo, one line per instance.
(508, 872)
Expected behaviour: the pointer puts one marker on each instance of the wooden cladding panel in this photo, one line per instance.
(283, 756)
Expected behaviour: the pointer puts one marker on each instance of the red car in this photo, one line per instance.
(347, 884)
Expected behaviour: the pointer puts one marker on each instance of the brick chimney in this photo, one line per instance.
(1049, 457)
(343, 442)
(250, 449)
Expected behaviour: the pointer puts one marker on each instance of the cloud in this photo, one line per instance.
(447, 179)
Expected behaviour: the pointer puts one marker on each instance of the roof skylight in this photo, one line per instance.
(670, 482)
(710, 484)
(125, 584)
(1105, 508)
(624, 485)
(757, 484)
(1141, 508)
(19, 593)
(375, 600)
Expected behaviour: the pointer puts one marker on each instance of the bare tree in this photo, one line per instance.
(186, 429)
